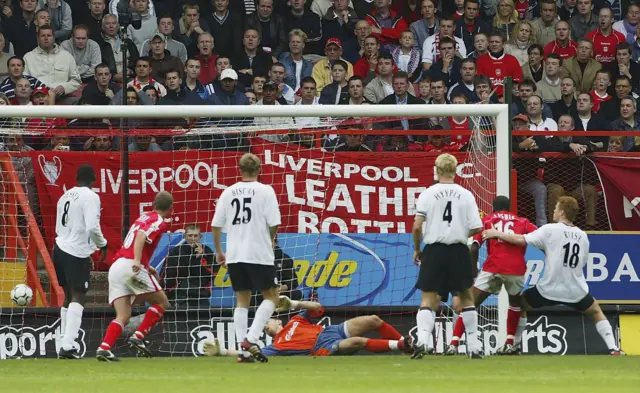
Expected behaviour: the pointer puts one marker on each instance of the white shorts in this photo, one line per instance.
(492, 283)
(123, 282)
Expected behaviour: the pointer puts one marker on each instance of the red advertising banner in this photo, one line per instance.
(318, 192)
(620, 178)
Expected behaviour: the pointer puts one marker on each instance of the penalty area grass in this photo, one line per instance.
(384, 374)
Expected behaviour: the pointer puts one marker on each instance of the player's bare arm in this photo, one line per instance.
(518, 240)
(138, 246)
(217, 242)
(416, 231)
(273, 231)
(475, 231)
(285, 304)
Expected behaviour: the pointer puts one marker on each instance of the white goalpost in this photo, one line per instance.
(201, 175)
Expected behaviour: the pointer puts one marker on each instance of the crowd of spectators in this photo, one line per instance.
(567, 57)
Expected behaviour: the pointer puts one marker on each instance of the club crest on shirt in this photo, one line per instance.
(498, 72)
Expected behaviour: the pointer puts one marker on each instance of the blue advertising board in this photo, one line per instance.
(376, 269)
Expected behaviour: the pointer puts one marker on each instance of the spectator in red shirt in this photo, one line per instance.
(386, 24)
(605, 39)
(498, 65)
(562, 45)
(599, 93)
(207, 58)
(368, 63)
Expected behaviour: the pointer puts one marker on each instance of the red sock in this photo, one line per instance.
(151, 317)
(389, 332)
(374, 345)
(114, 330)
(458, 331)
(513, 317)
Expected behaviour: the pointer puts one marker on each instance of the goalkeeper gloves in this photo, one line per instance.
(213, 348)
(285, 304)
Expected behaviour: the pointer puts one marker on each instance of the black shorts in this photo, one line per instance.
(251, 276)
(72, 271)
(536, 300)
(445, 268)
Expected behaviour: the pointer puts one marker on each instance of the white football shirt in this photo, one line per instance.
(245, 211)
(566, 249)
(450, 213)
(78, 230)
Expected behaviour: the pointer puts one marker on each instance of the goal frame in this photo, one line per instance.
(499, 111)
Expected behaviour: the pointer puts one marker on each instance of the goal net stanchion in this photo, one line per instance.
(362, 263)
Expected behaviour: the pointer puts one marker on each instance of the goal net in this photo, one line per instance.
(347, 179)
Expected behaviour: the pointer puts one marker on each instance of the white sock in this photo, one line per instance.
(63, 321)
(264, 312)
(522, 324)
(72, 328)
(425, 319)
(240, 323)
(606, 332)
(470, 318)
(393, 345)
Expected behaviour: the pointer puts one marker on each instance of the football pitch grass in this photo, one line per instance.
(523, 374)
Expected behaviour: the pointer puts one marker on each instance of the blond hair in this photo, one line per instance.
(516, 30)
(446, 165)
(249, 164)
(300, 33)
(513, 18)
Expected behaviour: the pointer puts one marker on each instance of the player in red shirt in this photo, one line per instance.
(563, 46)
(130, 276)
(498, 65)
(599, 94)
(505, 265)
(301, 336)
(604, 38)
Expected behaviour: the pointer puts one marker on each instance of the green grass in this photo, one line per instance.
(385, 374)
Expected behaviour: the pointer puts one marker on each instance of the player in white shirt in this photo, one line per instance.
(78, 235)
(566, 249)
(248, 212)
(451, 216)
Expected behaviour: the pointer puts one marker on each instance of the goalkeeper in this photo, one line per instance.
(300, 336)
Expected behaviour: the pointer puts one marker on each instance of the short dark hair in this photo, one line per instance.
(146, 59)
(171, 71)
(624, 46)
(460, 95)
(447, 40)
(85, 174)
(401, 75)
(623, 78)
(554, 56)
(374, 37)
(341, 63)
(192, 58)
(15, 58)
(480, 79)
(468, 60)
(535, 46)
(501, 203)
(528, 82)
(496, 33)
(163, 16)
(99, 66)
(308, 79)
(44, 27)
(387, 56)
(356, 78)
(276, 64)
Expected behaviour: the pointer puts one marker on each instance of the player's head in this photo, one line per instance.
(249, 165)
(446, 166)
(501, 203)
(162, 203)
(273, 327)
(566, 209)
(85, 176)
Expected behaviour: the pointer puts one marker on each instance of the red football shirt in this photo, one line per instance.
(458, 15)
(564, 52)
(597, 100)
(464, 126)
(505, 258)
(153, 227)
(521, 8)
(498, 68)
(604, 47)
